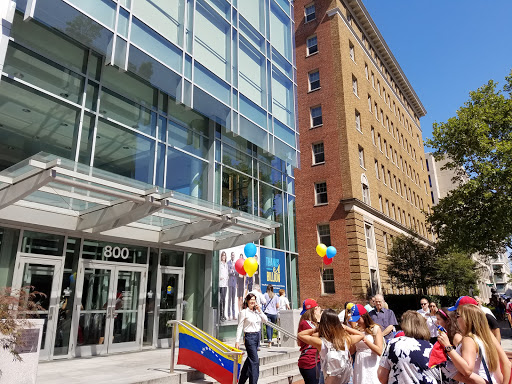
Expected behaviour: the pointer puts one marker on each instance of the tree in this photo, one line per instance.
(412, 264)
(458, 272)
(477, 215)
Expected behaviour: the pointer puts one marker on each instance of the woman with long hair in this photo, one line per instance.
(369, 349)
(478, 348)
(308, 362)
(333, 342)
(249, 322)
(431, 318)
(223, 284)
(405, 359)
(271, 310)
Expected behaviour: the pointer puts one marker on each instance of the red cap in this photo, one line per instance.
(308, 304)
(463, 300)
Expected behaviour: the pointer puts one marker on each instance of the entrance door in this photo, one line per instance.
(110, 314)
(169, 303)
(43, 276)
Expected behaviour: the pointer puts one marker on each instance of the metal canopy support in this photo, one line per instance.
(118, 215)
(22, 189)
(190, 231)
(238, 240)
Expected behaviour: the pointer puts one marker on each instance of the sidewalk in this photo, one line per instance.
(150, 366)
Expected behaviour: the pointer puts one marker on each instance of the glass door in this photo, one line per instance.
(42, 276)
(169, 300)
(110, 314)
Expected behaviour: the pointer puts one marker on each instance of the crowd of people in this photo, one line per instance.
(363, 345)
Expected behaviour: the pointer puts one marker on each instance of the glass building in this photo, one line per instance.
(140, 140)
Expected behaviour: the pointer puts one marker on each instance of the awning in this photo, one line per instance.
(62, 194)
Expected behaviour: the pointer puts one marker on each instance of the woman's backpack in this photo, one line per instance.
(335, 362)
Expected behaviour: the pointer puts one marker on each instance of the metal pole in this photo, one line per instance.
(173, 346)
(235, 369)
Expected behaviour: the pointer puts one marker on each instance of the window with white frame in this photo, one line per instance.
(373, 135)
(379, 141)
(352, 52)
(309, 13)
(318, 153)
(314, 80)
(393, 212)
(320, 193)
(387, 207)
(324, 234)
(383, 173)
(316, 116)
(328, 281)
(385, 147)
(368, 231)
(376, 169)
(389, 179)
(378, 86)
(365, 189)
(399, 215)
(380, 203)
(373, 80)
(358, 120)
(370, 103)
(361, 156)
(312, 45)
(385, 241)
(366, 71)
(354, 85)
(374, 281)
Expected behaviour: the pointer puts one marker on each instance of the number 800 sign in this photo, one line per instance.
(116, 252)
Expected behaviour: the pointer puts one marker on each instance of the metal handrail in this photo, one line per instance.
(279, 329)
(208, 340)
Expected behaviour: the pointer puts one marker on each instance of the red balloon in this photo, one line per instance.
(327, 261)
(239, 266)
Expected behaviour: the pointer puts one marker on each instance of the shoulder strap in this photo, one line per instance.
(489, 379)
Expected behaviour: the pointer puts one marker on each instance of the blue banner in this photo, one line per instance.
(273, 269)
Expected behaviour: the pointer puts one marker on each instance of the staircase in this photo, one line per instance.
(277, 366)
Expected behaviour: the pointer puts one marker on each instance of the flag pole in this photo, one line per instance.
(235, 369)
(173, 346)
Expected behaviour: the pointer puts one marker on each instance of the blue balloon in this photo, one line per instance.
(331, 252)
(250, 250)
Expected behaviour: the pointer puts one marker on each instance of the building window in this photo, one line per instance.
(387, 207)
(324, 234)
(399, 216)
(385, 147)
(316, 116)
(373, 80)
(432, 196)
(389, 179)
(370, 103)
(312, 45)
(374, 281)
(368, 231)
(385, 240)
(314, 80)
(318, 153)
(393, 212)
(379, 142)
(320, 193)
(366, 71)
(383, 173)
(361, 156)
(354, 85)
(376, 169)
(378, 86)
(352, 53)
(373, 135)
(380, 203)
(358, 121)
(309, 12)
(426, 162)
(328, 280)
(365, 189)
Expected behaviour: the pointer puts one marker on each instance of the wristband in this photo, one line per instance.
(449, 348)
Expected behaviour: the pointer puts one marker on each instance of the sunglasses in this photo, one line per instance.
(424, 303)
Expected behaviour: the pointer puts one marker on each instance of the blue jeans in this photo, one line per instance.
(251, 368)
(270, 331)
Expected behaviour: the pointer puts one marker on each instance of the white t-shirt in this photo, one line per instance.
(487, 310)
(283, 303)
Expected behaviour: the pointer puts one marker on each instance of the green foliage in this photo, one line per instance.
(477, 215)
(412, 264)
(458, 272)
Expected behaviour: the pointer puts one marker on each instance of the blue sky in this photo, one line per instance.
(446, 48)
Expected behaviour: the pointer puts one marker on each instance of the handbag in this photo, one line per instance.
(489, 379)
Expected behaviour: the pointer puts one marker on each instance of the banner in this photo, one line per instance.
(273, 269)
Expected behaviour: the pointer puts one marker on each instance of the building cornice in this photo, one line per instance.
(373, 34)
(357, 205)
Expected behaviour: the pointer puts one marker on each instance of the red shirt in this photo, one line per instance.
(308, 356)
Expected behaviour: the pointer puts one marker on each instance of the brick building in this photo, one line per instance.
(363, 178)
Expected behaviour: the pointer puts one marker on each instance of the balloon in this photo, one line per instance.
(321, 249)
(239, 266)
(250, 266)
(72, 278)
(331, 252)
(327, 261)
(250, 250)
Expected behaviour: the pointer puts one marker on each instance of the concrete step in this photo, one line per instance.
(284, 377)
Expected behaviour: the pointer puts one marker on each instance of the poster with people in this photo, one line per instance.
(233, 287)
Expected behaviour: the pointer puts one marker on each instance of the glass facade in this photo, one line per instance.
(196, 96)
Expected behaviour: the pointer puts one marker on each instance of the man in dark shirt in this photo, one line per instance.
(384, 317)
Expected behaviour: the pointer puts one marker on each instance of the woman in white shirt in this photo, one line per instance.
(223, 284)
(431, 318)
(249, 321)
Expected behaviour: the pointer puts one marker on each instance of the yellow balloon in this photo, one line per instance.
(250, 266)
(321, 249)
(349, 306)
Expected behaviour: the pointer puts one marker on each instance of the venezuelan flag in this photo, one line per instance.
(207, 355)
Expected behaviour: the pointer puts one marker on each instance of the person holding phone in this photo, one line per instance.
(249, 322)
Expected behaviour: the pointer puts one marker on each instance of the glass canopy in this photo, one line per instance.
(97, 201)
